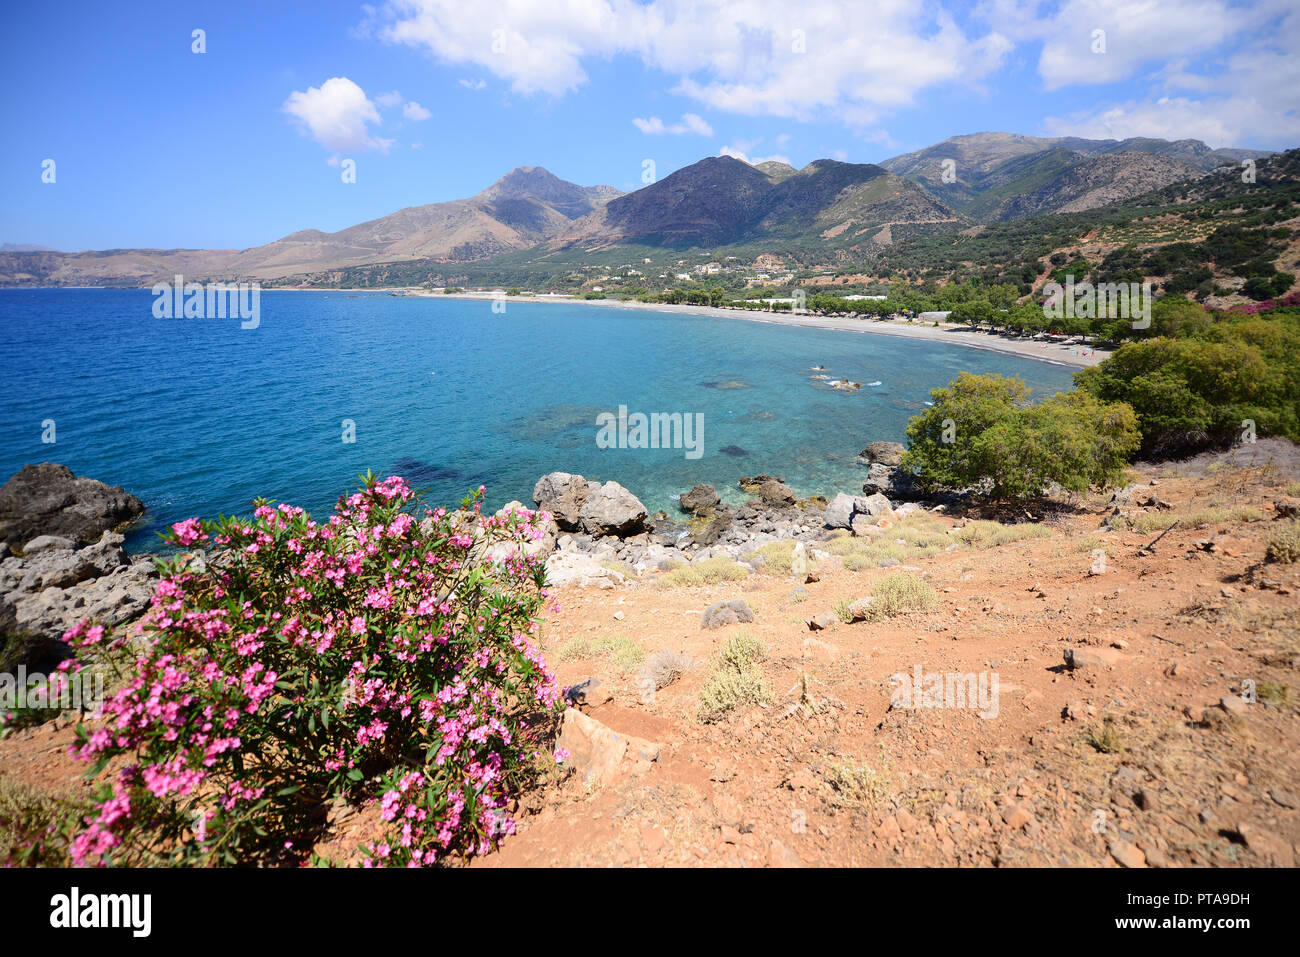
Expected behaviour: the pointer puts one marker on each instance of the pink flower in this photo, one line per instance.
(189, 531)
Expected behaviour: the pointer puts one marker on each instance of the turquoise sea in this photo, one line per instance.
(199, 416)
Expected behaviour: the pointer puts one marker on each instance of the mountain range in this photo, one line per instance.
(719, 201)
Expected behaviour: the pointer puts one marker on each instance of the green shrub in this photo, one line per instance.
(1197, 392)
(620, 649)
(1284, 545)
(35, 828)
(980, 434)
(985, 534)
(777, 557)
(856, 785)
(899, 592)
(735, 680)
(710, 571)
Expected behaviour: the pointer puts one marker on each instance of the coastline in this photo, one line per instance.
(1056, 353)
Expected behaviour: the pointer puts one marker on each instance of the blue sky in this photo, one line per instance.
(158, 146)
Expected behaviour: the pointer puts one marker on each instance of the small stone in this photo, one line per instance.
(859, 609)
(591, 693)
(619, 616)
(653, 838)
(1128, 855)
(1155, 857)
(1233, 704)
(822, 621)
(1091, 659)
(1016, 816)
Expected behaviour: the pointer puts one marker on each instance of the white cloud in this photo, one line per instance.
(336, 114)
(414, 111)
(472, 84)
(754, 161)
(387, 100)
(818, 59)
(1246, 95)
(691, 123)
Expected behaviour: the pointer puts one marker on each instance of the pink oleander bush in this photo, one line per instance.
(383, 655)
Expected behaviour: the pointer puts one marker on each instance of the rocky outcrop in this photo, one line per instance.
(563, 495)
(845, 510)
(599, 754)
(48, 500)
(577, 505)
(886, 453)
(610, 509)
(752, 484)
(892, 481)
(700, 498)
(56, 585)
(776, 494)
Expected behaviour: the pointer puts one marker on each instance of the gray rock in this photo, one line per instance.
(58, 568)
(563, 495)
(612, 510)
(725, 613)
(44, 543)
(839, 513)
(891, 481)
(590, 694)
(876, 504)
(47, 499)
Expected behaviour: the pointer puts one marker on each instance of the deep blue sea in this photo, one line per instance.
(199, 416)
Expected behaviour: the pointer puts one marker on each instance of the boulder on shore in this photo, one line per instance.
(563, 495)
(753, 484)
(699, 498)
(886, 453)
(610, 509)
(48, 500)
(839, 513)
(892, 481)
(777, 494)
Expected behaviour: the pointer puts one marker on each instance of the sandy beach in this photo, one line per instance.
(1059, 353)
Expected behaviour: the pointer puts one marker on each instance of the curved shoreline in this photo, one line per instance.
(1055, 353)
